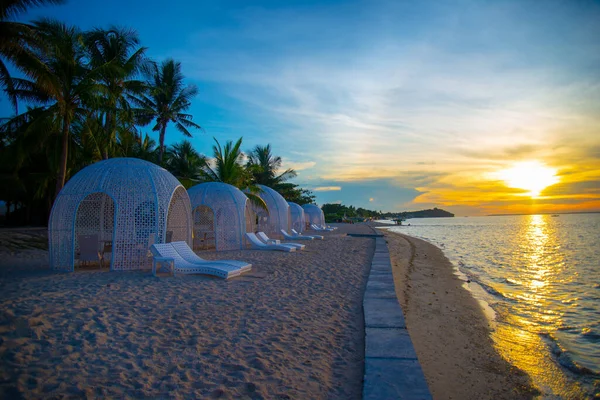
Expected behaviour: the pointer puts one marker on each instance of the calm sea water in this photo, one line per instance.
(541, 276)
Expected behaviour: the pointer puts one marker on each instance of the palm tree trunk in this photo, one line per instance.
(62, 172)
(107, 128)
(161, 140)
(110, 132)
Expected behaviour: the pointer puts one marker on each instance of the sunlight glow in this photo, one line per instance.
(531, 176)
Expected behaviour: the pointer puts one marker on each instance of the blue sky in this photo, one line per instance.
(388, 105)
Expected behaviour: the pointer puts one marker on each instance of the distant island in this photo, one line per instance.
(335, 212)
(432, 213)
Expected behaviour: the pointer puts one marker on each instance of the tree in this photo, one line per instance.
(29, 160)
(146, 149)
(167, 100)
(62, 82)
(228, 168)
(132, 144)
(295, 194)
(227, 165)
(264, 167)
(185, 163)
(14, 37)
(117, 54)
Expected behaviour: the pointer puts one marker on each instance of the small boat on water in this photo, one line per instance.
(555, 215)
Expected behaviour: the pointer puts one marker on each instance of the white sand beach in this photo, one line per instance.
(293, 328)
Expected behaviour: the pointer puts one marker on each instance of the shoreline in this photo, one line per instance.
(121, 329)
(448, 327)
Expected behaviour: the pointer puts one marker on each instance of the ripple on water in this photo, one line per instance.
(543, 275)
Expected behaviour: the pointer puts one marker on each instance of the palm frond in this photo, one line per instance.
(12, 8)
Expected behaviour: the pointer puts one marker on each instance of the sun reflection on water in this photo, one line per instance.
(540, 275)
(518, 336)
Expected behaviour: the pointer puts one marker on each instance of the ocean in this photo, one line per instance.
(540, 274)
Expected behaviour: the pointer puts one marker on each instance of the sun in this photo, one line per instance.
(532, 176)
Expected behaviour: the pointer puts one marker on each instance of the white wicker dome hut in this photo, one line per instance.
(277, 215)
(221, 215)
(313, 214)
(126, 202)
(297, 220)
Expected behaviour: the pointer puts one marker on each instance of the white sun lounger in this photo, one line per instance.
(188, 254)
(295, 234)
(263, 236)
(297, 237)
(318, 228)
(256, 244)
(166, 253)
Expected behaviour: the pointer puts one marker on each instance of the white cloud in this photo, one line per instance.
(406, 95)
(361, 121)
(297, 166)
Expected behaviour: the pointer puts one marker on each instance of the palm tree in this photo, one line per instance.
(264, 167)
(167, 100)
(31, 158)
(145, 149)
(228, 168)
(62, 82)
(117, 54)
(14, 37)
(183, 161)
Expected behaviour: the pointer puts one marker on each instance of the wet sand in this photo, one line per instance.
(448, 327)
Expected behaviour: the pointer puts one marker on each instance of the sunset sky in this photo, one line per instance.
(391, 105)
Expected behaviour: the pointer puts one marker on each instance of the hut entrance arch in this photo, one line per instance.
(204, 227)
(262, 220)
(94, 222)
(297, 217)
(250, 218)
(178, 220)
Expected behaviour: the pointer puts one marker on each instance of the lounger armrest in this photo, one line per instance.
(161, 260)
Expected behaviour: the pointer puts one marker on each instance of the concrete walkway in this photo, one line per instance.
(392, 370)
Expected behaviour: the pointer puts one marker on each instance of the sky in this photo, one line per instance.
(391, 105)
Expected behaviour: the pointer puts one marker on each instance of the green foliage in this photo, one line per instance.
(117, 55)
(165, 101)
(334, 212)
(86, 95)
(295, 194)
(228, 168)
(264, 167)
(227, 165)
(14, 38)
(183, 161)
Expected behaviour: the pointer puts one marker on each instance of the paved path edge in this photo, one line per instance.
(392, 370)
